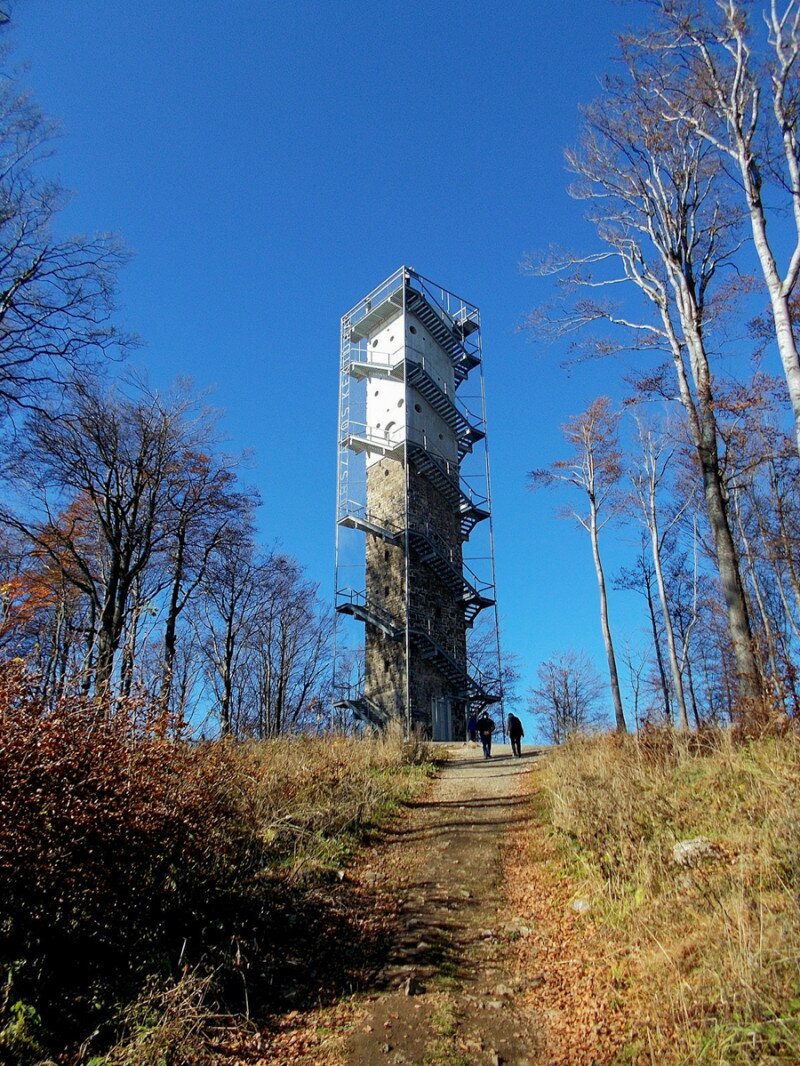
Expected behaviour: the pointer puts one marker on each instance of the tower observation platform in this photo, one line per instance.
(417, 636)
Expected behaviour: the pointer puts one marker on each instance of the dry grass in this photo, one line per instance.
(712, 951)
(167, 1025)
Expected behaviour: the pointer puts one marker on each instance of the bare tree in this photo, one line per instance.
(291, 649)
(641, 578)
(226, 617)
(567, 697)
(202, 502)
(708, 70)
(56, 295)
(594, 468)
(96, 491)
(658, 202)
(647, 479)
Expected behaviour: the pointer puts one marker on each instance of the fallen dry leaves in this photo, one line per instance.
(571, 969)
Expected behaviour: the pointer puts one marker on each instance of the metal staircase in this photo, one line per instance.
(365, 710)
(447, 336)
(470, 507)
(468, 435)
(348, 601)
(472, 689)
(469, 688)
(473, 598)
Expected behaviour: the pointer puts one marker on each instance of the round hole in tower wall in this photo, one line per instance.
(375, 343)
(400, 402)
(417, 408)
(412, 329)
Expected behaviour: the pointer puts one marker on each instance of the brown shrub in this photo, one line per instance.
(124, 856)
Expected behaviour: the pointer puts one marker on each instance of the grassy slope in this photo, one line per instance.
(671, 963)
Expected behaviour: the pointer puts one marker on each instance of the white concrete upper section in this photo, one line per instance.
(395, 413)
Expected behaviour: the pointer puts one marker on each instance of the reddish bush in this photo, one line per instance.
(127, 859)
(120, 855)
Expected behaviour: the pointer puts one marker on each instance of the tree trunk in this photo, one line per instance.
(657, 646)
(704, 434)
(170, 632)
(616, 695)
(778, 296)
(669, 630)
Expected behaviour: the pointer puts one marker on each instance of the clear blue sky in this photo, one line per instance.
(269, 163)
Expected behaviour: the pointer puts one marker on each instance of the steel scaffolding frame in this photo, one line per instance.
(454, 323)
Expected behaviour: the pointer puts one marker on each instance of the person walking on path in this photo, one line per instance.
(472, 727)
(515, 734)
(485, 730)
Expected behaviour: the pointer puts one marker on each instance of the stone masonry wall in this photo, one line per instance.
(434, 607)
(385, 658)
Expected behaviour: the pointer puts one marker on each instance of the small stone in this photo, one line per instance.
(488, 934)
(411, 987)
(423, 946)
(502, 990)
(494, 1004)
(580, 905)
(496, 1059)
(386, 1048)
(693, 852)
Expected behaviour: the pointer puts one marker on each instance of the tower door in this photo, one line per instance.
(441, 718)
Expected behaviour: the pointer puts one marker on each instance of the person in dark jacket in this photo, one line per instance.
(472, 727)
(515, 734)
(485, 730)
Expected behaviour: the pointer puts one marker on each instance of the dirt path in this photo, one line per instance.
(445, 994)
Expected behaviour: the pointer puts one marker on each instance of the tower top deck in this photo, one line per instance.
(380, 305)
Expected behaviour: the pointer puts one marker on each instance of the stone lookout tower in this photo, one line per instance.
(413, 497)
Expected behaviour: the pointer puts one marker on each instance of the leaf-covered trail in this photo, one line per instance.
(446, 993)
